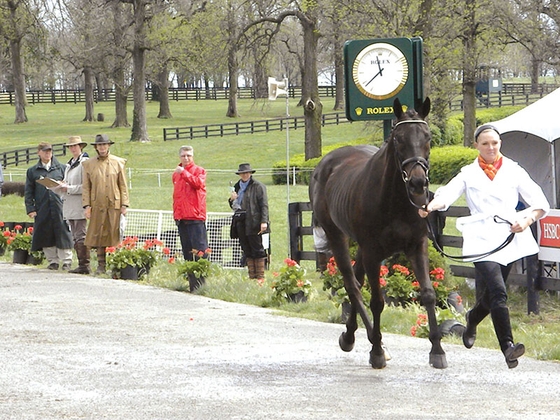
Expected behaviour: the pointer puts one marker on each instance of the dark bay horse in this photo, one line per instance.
(372, 196)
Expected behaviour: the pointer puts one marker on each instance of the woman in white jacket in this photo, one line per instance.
(493, 186)
(71, 190)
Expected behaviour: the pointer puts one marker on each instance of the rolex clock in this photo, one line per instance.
(380, 70)
(377, 72)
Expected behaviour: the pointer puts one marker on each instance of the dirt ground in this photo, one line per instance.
(80, 347)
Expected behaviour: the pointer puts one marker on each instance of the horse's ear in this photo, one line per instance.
(423, 108)
(397, 108)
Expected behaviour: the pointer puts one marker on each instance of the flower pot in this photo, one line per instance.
(454, 300)
(298, 297)
(31, 260)
(20, 256)
(451, 326)
(130, 272)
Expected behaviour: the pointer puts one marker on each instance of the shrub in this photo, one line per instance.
(446, 162)
(304, 168)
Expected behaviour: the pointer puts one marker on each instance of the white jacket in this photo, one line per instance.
(486, 199)
(72, 208)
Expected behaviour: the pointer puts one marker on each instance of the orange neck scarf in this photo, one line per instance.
(490, 169)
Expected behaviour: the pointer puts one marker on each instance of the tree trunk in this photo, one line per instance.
(260, 78)
(469, 75)
(233, 87)
(19, 81)
(121, 94)
(163, 87)
(338, 79)
(312, 106)
(535, 66)
(139, 126)
(88, 90)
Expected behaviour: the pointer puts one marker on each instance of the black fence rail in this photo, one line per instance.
(21, 156)
(512, 93)
(249, 127)
(175, 94)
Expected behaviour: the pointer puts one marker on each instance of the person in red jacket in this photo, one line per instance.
(189, 210)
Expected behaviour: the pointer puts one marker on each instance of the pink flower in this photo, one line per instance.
(383, 271)
(166, 251)
(290, 263)
(171, 260)
(18, 227)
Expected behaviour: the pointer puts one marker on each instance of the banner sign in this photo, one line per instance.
(548, 232)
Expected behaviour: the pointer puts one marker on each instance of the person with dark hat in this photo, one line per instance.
(51, 233)
(493, 185)
(249, 198)
(189, 210)
(104, 198)
(73, 211)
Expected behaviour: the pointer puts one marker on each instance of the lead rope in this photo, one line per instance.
(474, 257)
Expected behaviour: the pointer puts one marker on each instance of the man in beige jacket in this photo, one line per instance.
(104, 198)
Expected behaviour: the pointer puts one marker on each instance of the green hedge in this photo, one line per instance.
(445, 163)
(304, 168)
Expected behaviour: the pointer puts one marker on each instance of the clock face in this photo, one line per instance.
(380, 71)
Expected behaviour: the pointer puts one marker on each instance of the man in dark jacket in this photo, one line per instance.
(249, 195)
(51, 233)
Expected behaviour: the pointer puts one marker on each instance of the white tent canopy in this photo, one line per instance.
(531, 137)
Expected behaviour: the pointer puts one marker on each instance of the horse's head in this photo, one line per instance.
(411, 137)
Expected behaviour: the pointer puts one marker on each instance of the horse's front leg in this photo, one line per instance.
(377, 357)
(420, 266)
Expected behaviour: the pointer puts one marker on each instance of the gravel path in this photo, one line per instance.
(80, 347)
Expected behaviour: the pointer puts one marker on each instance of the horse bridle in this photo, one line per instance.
(417, 161)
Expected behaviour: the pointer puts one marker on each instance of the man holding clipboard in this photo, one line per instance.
(51, 233)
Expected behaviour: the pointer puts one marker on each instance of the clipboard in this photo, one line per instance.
(49, 182)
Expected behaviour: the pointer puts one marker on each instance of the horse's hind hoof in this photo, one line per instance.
(345, 345)
(438, 361)
(377, 361)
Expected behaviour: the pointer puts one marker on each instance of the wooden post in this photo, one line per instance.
(533, 274)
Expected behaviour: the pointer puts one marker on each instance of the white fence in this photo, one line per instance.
(159, 224)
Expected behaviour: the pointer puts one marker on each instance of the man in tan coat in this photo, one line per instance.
(104, 198)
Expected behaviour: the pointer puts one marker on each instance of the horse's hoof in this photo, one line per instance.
(377, 361)
(438, 361)
(344, 345)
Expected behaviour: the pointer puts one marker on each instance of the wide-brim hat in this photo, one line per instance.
(44, 146)
(76, 140)
(244, 168)
(102, 139)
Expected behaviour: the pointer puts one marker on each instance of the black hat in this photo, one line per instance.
(244, 168)
(102, 139)
(484, 128)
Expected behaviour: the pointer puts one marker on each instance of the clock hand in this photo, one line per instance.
(379, 65)
(379, 73)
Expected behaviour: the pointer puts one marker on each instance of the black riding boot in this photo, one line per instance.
(502, 326)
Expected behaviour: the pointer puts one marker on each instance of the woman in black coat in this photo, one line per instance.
(249, 197)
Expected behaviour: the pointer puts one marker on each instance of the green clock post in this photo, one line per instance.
(379, 70)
